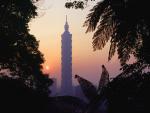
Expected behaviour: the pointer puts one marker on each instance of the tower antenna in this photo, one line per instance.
(66, 18)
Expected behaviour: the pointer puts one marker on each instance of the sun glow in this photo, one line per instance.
(47, 67)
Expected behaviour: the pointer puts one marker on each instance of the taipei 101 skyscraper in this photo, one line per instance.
(66, 61)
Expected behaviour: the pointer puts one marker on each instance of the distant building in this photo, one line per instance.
(53, 87)
(66, 61)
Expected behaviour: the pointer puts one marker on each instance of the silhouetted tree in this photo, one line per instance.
(129, 94)
(125, 24)
(16, 97)
(19, 54)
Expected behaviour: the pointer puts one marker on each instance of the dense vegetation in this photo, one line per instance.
(130, 94)
(126, 24)
(16, 97)
(19, 56)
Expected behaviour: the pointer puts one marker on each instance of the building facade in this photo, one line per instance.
(66, 61)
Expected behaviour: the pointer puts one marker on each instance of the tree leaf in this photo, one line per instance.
(87, 87)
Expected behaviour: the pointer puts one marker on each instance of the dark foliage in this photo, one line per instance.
(87, 87)
(97, 99)
(66, 104)
(16, 97)
(126, 24)
(19, 53)
(77, 4)
(129, 94)
(122, 22)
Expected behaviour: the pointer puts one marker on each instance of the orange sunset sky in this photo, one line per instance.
(49, 26)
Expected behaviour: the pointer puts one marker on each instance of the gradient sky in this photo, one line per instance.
(49, 26)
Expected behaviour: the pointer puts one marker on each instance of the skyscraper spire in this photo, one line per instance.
(66, 25)
(66, 19)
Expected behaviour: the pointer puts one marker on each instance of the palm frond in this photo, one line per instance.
(104, 30)
(112, 49)
(87, 87)
(104, 80)
(125, 24)
(94, 17)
